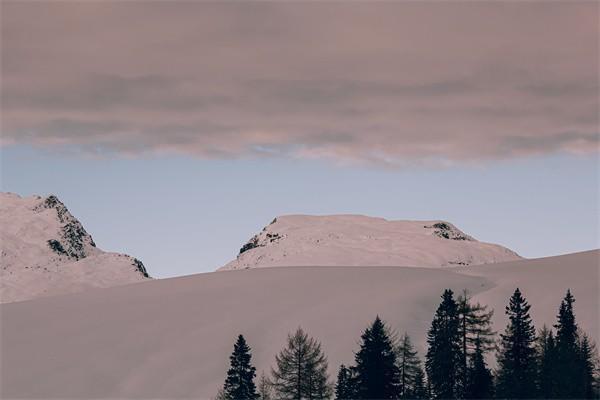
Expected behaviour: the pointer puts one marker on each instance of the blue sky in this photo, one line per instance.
(183, 215)
(176, 130)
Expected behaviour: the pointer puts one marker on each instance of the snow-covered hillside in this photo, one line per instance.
(44, 250)
(171, 338)
(355, 240)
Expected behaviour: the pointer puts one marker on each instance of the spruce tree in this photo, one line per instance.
(474, 325)
(301, 369)
(517, 358)
(479, 379)
(344, 387)
(567, 350)
(240, 377)
(408, 364)
(443, 354)
(546, 353)
(587, 368)
(377, 375)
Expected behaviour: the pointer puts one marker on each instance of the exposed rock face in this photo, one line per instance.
(73, 239)
(445, 230)
(45, 250)
(355, 240)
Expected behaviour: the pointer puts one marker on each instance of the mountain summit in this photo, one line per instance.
(356, 240)
(44, 250)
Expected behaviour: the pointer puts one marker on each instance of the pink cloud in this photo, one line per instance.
(393, 83)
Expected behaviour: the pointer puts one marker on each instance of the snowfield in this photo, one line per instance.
(44, 251)
(171, 338)
(356, 240)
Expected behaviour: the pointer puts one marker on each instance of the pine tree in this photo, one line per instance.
(408, 364)
(517, 358)
(301, 369)
(240, 377)
(474, 325)
(587, 369)
(479, 379)
(567, 350)
(443, 354)
(344, 388)
(546, 353)
(377, 375)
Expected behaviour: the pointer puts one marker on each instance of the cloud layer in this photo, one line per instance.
(395, 83)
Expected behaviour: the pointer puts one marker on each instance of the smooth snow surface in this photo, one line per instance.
(356, 240)
(44, 251)
(172, 338)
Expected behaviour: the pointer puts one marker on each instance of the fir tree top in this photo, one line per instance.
(566, 328)
(377, 375)
(240, 376)
(516, 377)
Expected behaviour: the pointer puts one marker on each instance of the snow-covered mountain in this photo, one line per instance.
(356, 240)
(44, 250)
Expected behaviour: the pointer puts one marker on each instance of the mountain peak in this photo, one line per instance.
(46, 250)
(358, 240)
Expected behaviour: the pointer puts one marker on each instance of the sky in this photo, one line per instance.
(176, 130)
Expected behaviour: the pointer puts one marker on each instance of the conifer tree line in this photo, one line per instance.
(558, 362)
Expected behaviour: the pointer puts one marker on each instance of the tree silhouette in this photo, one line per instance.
(301, 369)
(479, 378)
(377, 375)
(240, 376)
(409, 365)
(474, 329)
(517, 358)
(588, 368)
(567, 382)
(344, 388)
(546, 353)
(444, 352)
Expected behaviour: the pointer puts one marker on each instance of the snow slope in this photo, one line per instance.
(355, 240)
(44, 250)
(171, 338)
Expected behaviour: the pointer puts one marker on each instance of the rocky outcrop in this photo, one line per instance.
(73, 239)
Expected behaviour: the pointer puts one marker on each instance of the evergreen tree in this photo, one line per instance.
(567, 382)
(479, 379)
(420, 389)
(377, 375)
(474, 325)
(443, 354)
(517, 358)
(408, 364)
(301, 370)
(240, 377)
(344, 388)
(546, 352)
(587, 369)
